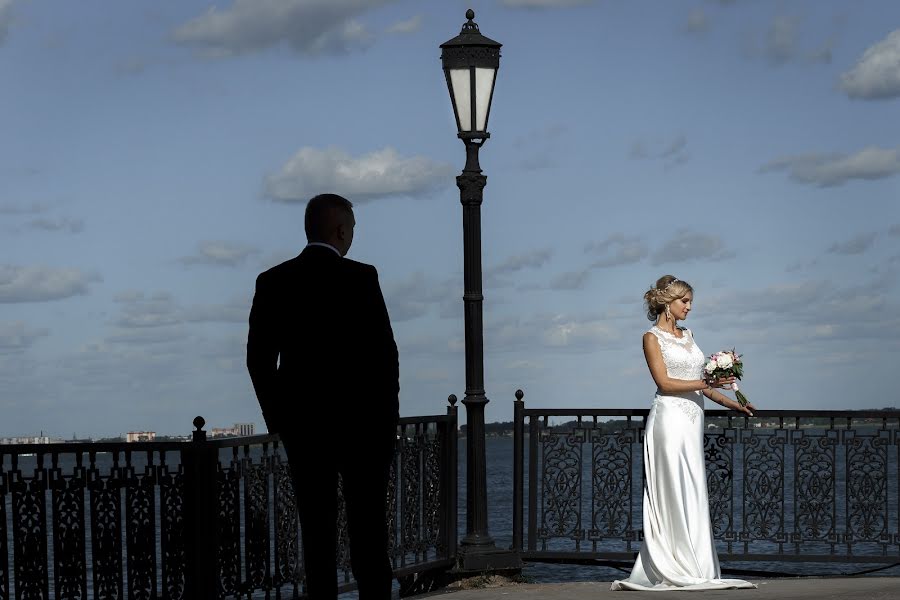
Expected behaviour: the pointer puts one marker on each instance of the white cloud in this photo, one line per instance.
(420, 344)
(156, 335)
(790, 301)
(672, 152)
(535, 259)
(529, 260)
(276, 258)
(855, 245)
(59, 224)
(876, 76)
(617, 249)
(379, 174)
(15, 208)
(41, 284)
(432, 374)
(124, 367)
(675, 147)
(128, 296)
(414, 297)
(781, 39)
(525, 365)
(801, 266)
(697, 21)
(233, 312)
(687, 246)
(782, 42)
(579, 333)
(563, 332)
(538, 161)
(222, 253)
(309, 27)
(806, 304)
(571, 280)
(6, 18)
(140, 311)
(541, 135)
(16, 369)
(540, 146)
(825, 53)
(408, 26)
(827, 170)
(130, 67)
(639, 150)
(161, 310)
(15, 336)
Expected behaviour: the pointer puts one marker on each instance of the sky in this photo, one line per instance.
(156, 156)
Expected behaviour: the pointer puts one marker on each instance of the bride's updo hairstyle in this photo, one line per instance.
(667, 289)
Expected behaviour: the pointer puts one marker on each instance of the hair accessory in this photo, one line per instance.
(668, 285)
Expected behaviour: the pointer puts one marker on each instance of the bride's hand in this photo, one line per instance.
(748, 408)
(722, 382)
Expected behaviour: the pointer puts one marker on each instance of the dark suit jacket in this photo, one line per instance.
(320, 350)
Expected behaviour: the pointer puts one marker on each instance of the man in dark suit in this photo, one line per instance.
(324, 365)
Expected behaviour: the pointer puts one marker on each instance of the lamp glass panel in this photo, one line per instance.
(484, 82)
(462, 96)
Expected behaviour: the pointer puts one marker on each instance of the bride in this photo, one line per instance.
(678, 551)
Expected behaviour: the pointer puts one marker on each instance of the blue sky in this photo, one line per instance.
(155, 157)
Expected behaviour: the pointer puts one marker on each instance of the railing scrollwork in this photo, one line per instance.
(200, 519)
(786, 486)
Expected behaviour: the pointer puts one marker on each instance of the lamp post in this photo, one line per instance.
(470, 62)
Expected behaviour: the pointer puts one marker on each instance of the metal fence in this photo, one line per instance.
(200, 519)
(816, 486)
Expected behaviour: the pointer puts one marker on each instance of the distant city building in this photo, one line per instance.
(140, 436)
(30, 439)
(238, 430)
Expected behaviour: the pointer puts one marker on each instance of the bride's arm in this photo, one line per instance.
(666, 384)
(727, 402)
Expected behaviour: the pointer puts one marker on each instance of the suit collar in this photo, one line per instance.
(324, 245)
(319, 251)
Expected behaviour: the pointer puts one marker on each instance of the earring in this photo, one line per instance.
(668, 312)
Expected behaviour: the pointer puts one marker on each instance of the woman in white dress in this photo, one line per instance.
(678, 551)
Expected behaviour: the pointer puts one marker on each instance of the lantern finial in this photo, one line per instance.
(470, 26)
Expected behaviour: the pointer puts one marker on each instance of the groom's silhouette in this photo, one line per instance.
(324, 365)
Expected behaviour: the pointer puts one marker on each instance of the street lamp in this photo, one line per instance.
(470, 62)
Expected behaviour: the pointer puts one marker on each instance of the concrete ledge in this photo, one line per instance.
(859, 588)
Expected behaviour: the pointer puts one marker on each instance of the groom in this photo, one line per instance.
(323, 362)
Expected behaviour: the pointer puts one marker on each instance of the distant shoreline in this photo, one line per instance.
(506, 429)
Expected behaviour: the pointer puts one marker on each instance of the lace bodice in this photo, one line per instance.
(684, 360)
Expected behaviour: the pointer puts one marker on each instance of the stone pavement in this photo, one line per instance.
(856, 588)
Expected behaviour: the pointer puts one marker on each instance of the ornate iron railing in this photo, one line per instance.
(817, 486)
(200, 519)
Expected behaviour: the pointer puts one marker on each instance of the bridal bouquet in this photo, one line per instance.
(726, 363)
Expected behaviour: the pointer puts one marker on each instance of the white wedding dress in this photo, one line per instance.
(678, 551)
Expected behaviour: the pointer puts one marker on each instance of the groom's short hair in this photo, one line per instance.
(323, 214)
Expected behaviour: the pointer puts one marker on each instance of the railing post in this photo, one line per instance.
(533, 482)
(200, 460)
(449, 476)
(518, 466)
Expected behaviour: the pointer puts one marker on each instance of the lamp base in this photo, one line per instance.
(475, 559)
